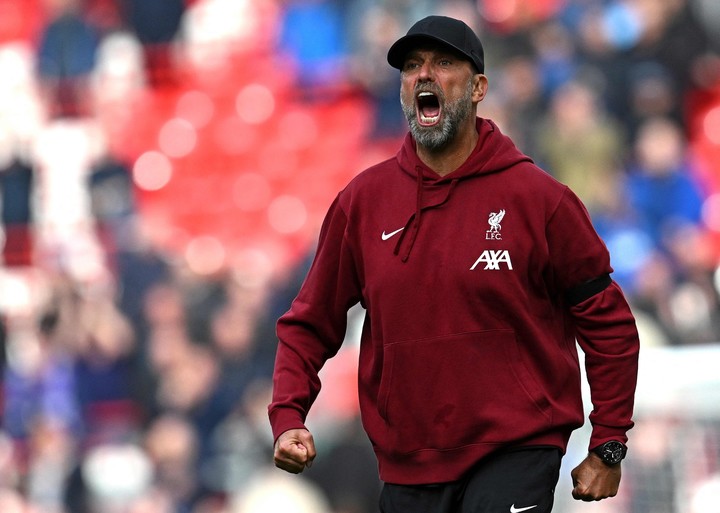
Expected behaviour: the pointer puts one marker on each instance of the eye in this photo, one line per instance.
(410, 65)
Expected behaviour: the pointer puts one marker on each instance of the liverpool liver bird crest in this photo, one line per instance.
(495, 219)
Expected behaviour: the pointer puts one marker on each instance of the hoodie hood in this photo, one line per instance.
(494, 152)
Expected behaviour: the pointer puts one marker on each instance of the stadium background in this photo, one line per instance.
(165, 166)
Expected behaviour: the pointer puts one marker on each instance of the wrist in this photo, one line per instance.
(611, 453)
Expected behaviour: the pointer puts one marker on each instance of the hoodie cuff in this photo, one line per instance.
(284, 419)
(602, 434)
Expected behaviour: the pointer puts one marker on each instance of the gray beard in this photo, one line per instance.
(454, 113)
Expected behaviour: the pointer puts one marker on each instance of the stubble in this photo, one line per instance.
(455, 112)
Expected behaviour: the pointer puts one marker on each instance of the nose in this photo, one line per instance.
(426, 72)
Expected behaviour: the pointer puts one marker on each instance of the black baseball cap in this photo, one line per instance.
(440, 29)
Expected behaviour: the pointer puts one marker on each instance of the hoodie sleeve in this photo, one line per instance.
(604, 325)
(313, 329)
(606, 332)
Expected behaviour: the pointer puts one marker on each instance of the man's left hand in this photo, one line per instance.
(593, 480)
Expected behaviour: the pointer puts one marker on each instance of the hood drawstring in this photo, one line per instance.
(417, 215)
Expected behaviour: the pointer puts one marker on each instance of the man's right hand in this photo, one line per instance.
(294, 450)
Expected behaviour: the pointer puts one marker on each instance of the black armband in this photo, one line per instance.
(587, 290)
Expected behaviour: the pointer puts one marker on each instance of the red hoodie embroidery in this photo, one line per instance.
(469, 345)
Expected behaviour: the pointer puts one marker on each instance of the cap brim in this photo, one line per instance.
(401, 47)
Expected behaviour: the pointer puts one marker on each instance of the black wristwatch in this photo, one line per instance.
(611, 452)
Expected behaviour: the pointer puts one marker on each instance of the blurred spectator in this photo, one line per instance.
(695, 302)
(105, 372)
(653, 284)
(52, 452)
(554, 54)
(674, 286)
(375, 31)
(623, 37)
(674, 38)
(652, 93)
(618, 224)
(676, 292)
(171, 444)
(233, 338)
(519, 86)
(112, 201)
(156, 24)
(660, 182)
(189, 387)
(165, 334)
(240, 444)
(203, 296)
(39, 382)
(312, 35)
(66, 58)
(42, 413)
(580, 143)
(138, 268)
(16, 199)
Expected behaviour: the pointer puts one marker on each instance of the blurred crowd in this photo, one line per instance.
(132, 383)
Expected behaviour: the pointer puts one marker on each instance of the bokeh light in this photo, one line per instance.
(152, 171)
(287, 214)
(711, 125)
(177, 138)
(255, 104)
(205, 255)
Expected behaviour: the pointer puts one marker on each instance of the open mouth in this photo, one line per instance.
(428, 108)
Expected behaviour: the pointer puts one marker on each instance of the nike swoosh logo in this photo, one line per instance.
(513, 509)
(386, 236)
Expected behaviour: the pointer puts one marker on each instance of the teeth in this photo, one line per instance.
(429, 119)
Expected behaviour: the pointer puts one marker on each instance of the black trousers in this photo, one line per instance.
(515, 481)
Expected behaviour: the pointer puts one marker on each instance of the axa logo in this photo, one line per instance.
(493, 260)
(494, 220)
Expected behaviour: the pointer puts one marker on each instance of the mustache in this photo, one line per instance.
(428, 88)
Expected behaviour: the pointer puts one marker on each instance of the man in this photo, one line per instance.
(479, 272)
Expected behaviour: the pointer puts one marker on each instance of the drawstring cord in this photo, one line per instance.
(417, 215)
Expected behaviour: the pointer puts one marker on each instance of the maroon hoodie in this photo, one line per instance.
(475, 286)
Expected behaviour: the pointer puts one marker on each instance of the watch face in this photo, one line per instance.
(612, 452)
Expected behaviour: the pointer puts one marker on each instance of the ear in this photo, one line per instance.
(480, 87)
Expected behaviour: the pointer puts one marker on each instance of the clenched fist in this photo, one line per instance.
(294, 450)
(593, 480)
